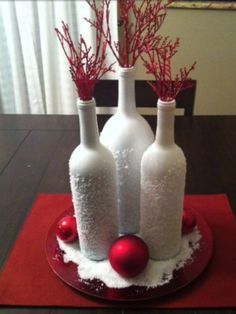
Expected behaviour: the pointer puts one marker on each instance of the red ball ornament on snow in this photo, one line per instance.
(188, 221)
(66, 229)
(128, 256)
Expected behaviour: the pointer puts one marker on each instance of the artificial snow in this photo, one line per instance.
(157, 273)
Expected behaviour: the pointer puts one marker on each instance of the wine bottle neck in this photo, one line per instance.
(89, 135)
(126, 95)
(165, 123)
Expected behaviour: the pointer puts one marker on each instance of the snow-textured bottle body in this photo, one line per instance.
(94, 187)
(127, 135)
(163, 171)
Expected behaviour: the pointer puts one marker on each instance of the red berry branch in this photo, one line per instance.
(139, 22)
(159, 64)
(86, 68)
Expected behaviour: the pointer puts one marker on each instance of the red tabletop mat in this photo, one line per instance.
(27, 280)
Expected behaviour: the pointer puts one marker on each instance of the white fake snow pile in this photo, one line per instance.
(157, 273)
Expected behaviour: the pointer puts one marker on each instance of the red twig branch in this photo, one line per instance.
(86, 68)
(166, 86)
(139, 20)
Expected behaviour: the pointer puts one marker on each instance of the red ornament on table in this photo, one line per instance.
(128, 256)
(66, 229)
(188, 221)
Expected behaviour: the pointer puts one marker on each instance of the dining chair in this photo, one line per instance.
(106, 95)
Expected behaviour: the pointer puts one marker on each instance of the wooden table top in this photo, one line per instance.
(35, 150)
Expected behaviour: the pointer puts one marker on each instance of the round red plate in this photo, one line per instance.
(182, 277)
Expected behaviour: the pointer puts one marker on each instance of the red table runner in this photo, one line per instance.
(27, 280)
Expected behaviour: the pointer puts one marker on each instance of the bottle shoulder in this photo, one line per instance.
(85, 160)
(172, 150)
(127, 120)
(157, 156)
(126, 129)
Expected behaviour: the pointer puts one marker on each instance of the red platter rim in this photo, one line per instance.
(182, 277)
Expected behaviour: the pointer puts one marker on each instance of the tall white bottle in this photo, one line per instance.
(163, 171)
(127, 134)
(94, 187)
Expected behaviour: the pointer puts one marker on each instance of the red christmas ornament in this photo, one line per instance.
(66, 229)
(188, 221)
(128, 256)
